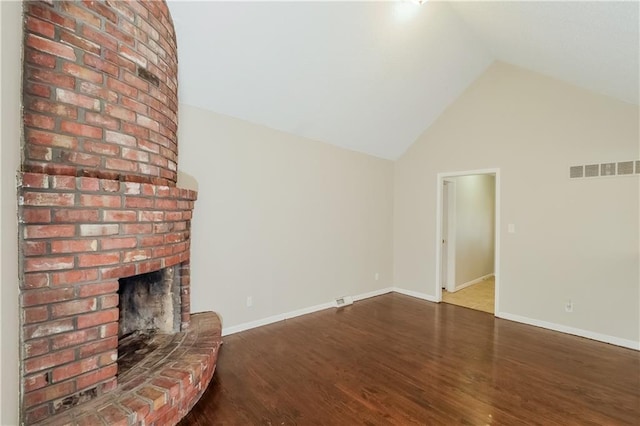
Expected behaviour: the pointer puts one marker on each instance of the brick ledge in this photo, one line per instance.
(161, 389)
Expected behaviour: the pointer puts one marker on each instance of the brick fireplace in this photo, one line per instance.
(98, 201)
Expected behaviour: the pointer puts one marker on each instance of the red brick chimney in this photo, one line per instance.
(97, 193)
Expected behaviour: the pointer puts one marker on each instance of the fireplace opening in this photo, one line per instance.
(150, 308)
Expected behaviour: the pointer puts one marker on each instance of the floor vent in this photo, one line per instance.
(344, 301)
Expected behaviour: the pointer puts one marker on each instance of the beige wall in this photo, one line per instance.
(475, 212)
(291, 222)
(574, 239)
(10, 81)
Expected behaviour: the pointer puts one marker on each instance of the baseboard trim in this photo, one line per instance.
(252, 324)
(298, 312)
(472, 282)
(605, 338)
(415, 294)
(373, 293)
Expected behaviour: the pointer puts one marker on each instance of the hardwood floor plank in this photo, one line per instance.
(396, 360)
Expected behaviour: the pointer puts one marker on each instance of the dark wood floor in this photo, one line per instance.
(395, 360)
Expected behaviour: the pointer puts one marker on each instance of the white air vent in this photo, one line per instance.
(591, 170)
(625, 168)
(621, 168)
(344, 301)
(608, 169)
(576, 172)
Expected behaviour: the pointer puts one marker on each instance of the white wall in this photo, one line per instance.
(289, 221)
(10, 83)
(574, 239)
(475, 212)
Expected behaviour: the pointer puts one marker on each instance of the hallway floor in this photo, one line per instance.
(478, 296)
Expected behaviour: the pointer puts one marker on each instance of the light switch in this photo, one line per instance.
(511, 228)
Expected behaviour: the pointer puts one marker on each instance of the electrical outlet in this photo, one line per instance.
(249, 301)
(568, 306)
(376, 276)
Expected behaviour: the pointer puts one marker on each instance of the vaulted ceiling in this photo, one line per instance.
(372, 76)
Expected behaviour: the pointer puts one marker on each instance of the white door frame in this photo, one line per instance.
(450, 276)
(439, 202)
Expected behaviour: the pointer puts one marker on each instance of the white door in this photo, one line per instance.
(445, 234)
(448, 249)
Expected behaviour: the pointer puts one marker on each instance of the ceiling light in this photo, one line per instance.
(405, 10)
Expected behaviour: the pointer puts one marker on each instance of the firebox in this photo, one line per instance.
(150, 302)
(150, 307)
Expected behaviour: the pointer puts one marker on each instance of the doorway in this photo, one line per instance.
(468, 225)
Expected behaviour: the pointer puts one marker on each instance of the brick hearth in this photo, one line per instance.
(162, 389)
(98, 202)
